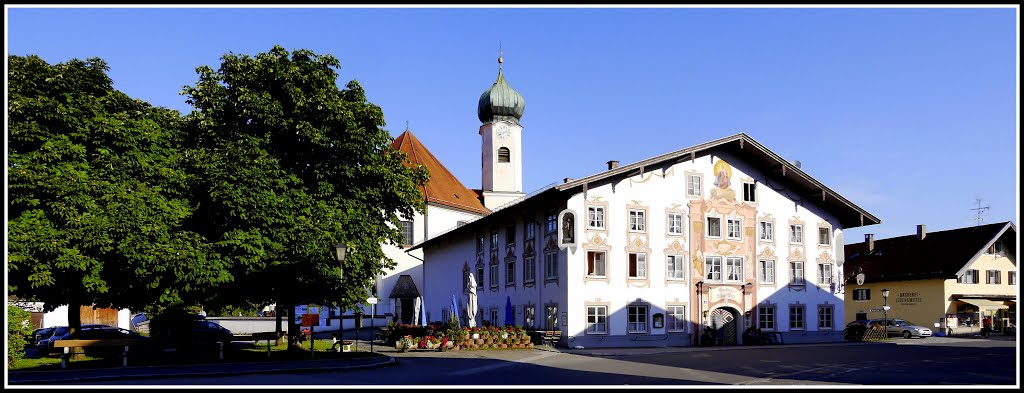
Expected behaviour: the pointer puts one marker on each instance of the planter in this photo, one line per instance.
(476, 335)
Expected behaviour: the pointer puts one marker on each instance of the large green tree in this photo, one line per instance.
(289, 165)
(97, 194)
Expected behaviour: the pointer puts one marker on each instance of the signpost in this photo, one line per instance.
(373, 303)
(309, 319)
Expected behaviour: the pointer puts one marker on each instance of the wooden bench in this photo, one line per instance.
(550, 337)
(269, 337)
(99, 343)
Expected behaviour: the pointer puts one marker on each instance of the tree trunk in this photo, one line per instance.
(74, 325)
(279, 315)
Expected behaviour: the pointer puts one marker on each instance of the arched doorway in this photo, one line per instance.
(725, 321)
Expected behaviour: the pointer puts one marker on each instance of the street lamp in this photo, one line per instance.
(339, 251)
(885, 311)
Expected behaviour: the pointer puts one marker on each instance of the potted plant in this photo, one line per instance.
(405, 343)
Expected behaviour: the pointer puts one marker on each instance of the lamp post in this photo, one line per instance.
(339, 251)
(885, 311)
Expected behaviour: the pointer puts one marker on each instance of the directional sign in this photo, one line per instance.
(876, 310)
(371, 300)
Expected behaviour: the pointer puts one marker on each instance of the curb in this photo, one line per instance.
(390, 361)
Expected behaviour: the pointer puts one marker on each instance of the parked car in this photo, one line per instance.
(899, 327)
(179, 331)
(39, 334)
(854, 331)
(61, 333)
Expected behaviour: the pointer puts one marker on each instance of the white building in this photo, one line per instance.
(725, 234)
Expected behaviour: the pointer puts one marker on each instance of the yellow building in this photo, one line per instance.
(947, 280)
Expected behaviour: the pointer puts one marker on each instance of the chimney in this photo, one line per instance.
(920, 232)
(869, 239)
(613, 164)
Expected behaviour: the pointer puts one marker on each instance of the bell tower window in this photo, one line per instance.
(503, 154)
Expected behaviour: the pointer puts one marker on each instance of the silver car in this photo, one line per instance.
(900, 327)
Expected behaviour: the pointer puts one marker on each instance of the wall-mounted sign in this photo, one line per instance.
(725, 293)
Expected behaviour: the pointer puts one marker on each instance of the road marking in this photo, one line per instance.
(503, 364)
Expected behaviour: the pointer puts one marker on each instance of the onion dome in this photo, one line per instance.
(500, 102)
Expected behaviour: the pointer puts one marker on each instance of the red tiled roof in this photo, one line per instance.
(443, 188)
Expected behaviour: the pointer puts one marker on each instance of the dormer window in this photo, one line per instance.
(504, 154)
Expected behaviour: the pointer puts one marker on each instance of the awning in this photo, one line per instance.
(985, 303)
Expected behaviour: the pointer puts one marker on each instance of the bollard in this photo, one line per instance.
(64, 359)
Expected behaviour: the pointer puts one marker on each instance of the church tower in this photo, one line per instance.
(499, 111)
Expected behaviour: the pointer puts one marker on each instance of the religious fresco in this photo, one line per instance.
(723, 177)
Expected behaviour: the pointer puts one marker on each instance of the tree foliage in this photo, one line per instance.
(97, 194)
(19, 328)
(288, 165)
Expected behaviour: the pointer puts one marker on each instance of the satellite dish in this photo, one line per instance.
(796, 163)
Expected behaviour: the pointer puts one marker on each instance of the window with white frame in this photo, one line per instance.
(824, 273)
(595, 217)
(480, 276)
(479, 244)
(862, 294)
(714, 227)
(993, 276)
(597, 319)
(796, 273)
(824, 317)
(551, 223)
(494, 275)
(494, 240)
(713, 268)
(824, 236)
(407, 232)
(693, 185)
(766, 317)
(551, 266)
(676, 318)
(796, 234)
(637, 265)
(529, 316)
(595, 264)
(530, 230)
(529, 269)
(637, 221)
(733, 269)
(510, 234)
(766, 271)
(510, 272)
(637, 319)
(675, 224)
(796, 317)
(733, 227)
(969, 277)
(494, 315)
(749, 192)
(765, 231)
(1011, 278)
(675, 267)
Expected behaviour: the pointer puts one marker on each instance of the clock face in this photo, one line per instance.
(503, 131)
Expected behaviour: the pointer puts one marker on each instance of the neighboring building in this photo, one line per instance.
(449, 204)
(725, 234)
(59, 316)
(951, 278)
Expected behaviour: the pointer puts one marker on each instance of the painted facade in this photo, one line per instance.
(651, 258)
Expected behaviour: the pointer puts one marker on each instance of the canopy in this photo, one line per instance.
(509, 314)
(985, 303)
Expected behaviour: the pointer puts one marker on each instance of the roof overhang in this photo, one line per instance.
(986, 303)
(849, 214)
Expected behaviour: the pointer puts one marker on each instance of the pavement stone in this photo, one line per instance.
(100, 374)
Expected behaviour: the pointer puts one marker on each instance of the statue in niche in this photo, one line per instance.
(568, 225)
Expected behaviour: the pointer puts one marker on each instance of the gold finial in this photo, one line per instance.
(500, 60)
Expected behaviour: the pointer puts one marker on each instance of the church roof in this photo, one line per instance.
(443, 188)
(941, 254)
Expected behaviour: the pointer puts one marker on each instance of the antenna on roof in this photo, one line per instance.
(980, 211)
(407, 125)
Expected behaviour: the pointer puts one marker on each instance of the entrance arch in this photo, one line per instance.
(725, 321)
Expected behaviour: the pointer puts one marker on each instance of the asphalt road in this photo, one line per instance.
(931, 361)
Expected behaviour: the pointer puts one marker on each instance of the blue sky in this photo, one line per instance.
(909, 113)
